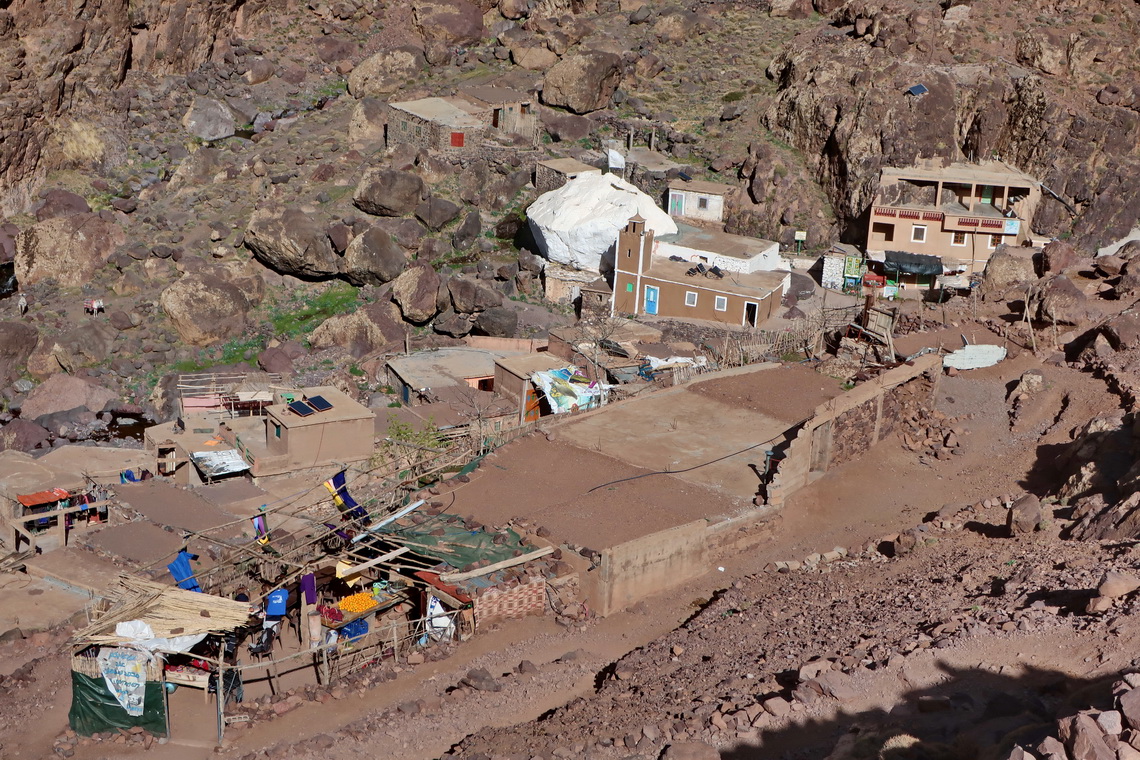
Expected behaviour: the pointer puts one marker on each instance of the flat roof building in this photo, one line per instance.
(959, 212)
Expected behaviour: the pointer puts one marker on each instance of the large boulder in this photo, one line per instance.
(469, 295)
(1123, 331)
(1062, 302)
(365, 331)
(374, 258)
(17, 341)
(209, 119)
(436, 212)
(367, 125)
(1059, 255)
(468, 232)
(68, 249)
(385, 72)
(205, 308)
(62, 393)
(577, 224)
(388, 192)
(82, 346)
(59, 202)
(23, 435)
(583, 82)
(447, 24)
(292, 241)
(415, 291)
(497, 322)
(1007, 267)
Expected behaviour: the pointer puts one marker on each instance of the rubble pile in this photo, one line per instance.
(905, 324)
(929, 432)
(803, 642)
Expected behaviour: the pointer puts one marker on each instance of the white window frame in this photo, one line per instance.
(914, 238)
(965, 239)
(690, 295)
(990, 241)
(720, 303)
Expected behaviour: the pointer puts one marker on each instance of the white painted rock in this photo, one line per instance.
(577, 224)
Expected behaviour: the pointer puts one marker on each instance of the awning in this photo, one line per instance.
(215, 463)
(913, 263)
(43, 497)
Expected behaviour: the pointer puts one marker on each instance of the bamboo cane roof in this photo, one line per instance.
(168, 610)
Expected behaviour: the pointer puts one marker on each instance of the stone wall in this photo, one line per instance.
(844, 428)
(853, 432)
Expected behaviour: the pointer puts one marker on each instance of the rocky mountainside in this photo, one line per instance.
(1045, 86)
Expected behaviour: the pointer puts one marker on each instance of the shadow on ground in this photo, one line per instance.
(974, 714)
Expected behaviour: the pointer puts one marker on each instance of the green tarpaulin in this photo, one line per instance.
(94, 708)
(458, 546)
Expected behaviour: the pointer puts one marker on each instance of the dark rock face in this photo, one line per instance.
(23, 435)
(17, 341)
(497, 322)
(469, 296)
(373, 258)
(849, 131)
(583, 82)
(291, 241)
(388, 192)
(60, 203)
(446, 24)
(63, 62)
(67, 249)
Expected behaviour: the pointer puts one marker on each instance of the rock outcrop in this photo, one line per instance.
(385, 72)
(416, 293)
(62, 393)
(66, 249)
(291, 241)
(373, 258)
(364, 331)
(582, 82)
(388, 192)
(205, 308)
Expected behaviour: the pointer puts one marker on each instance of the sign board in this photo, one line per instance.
(1012, 226)
(124, 670)
(801, 235)
(616, 160)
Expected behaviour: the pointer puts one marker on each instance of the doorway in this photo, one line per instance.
(676, 204)
(751, 311)
(651, 296)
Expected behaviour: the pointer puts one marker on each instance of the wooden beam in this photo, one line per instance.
(456, 577)
(373, 562)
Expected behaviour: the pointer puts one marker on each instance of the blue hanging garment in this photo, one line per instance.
(183, 573)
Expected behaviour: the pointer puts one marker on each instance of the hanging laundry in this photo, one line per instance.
(343, 500)
(309, 588)
(261, 529)
(183, 573)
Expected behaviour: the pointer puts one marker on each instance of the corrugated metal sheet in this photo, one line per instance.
(216, 463)
(974, 356)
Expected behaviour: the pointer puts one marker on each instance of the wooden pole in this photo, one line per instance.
(220, 698)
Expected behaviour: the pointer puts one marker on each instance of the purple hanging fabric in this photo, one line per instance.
(309, 588)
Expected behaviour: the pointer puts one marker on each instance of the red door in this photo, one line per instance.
(457, 139)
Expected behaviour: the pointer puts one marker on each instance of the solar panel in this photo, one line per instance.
(918, 89)
(320, 403)
(301, 409)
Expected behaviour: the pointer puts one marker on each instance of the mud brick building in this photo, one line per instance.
(663, 280)
(959, 212)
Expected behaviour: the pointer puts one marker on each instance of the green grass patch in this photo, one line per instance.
(732, 97)
(298, 317)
